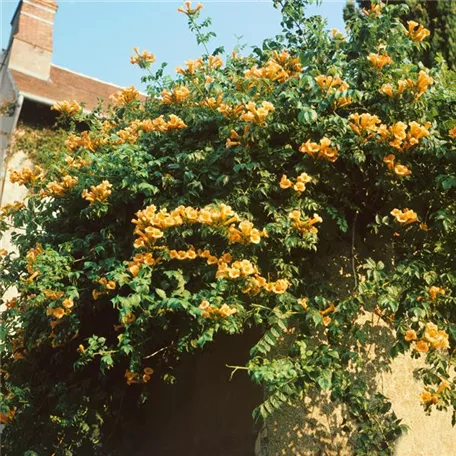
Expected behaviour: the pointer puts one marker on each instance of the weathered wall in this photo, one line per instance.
(313, 427)
(9, 193)
(429, 435)
(206, 414)
(7, 95)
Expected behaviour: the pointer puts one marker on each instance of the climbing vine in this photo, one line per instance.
(294, 188)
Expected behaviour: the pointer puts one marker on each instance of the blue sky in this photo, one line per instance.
(96, 38)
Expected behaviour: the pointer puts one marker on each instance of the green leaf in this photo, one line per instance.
(325, 380)
(160, 293)
(307, 116)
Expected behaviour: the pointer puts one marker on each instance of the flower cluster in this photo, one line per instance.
(364, 124)
(85, 140)
(17, 346)
(9, 209)
(212, 102)
(416, 32)
(257, 115)
(139, 260)
(59, 188)
(396, 168)
(192, 254)
(332, 84)
(281, 67)
(325, 314)
(26, 176)
(245, 234)
(150, 223)
(399, 135)
(52, 294)
(212, 259)
(231, 111)
(68, 108)
(31, 257)
(435, 291)
(189, 254)
(60, 310)
(238, 269)
(236, 139)
(188, 10)
(208, 311)
(379, 60)
(432, 338)
(300, 184)
(192, 66)
(338, 35)
(33, 253)
(158, 124)
(257, 283)
(8, 416)
(98, 193)
(142, 59)
(307, 225)
(403, 137)
(77, 162)
(244, 269)
(133, 377)
(432, 398)
(374, 10)
(107, 286)
(214, 62)
(405, 217)
(127, 135)
(452, 133)
(179, 94)
(125, 96)
(322, 150)
(418, 87)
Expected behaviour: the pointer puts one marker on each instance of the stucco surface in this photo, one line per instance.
(12, 193)
(429, 435)
(314, 426)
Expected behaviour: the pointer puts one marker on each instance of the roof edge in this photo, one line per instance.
(87, 77)
(37, 98)
(16, 11)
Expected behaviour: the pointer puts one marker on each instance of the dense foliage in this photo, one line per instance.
(439, 16)
(293, 188)
(42, 145)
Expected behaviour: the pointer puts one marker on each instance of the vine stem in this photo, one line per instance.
(236, 368)
(198, 33)
(156, 353)
(355, 275)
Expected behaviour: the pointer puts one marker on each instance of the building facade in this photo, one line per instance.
(30, 83)
(205, 414)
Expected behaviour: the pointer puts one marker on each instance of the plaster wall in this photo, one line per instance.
(313, 426)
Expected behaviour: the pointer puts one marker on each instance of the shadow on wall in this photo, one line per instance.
(316, 425)
(203, 413)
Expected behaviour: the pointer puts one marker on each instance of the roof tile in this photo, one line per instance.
(64, 84)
